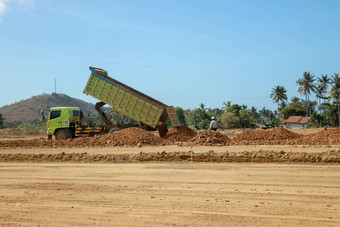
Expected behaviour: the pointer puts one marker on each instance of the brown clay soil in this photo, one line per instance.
(185, 136)
(124, 137)
(210, 138)
(281, 136)
(135, 178)
(180, 134)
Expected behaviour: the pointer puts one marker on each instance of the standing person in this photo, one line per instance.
(42, 115)
(214, 125)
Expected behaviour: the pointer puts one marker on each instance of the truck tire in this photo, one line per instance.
(62, 134)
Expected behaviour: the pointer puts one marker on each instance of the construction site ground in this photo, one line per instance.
(173, 182)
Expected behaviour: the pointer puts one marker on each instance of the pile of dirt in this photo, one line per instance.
(124, 137)
(325, 137)
(277, 136)
(180, 134)
(130, 137)
(260, 156)
(210, 138)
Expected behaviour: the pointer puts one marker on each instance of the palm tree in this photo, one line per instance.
(324, 81)
(279, 95)
(227, 106)
(202, 106)
(295, 99)
(322, 86)
(319, 92)
(334, 78)
(334, 93)
(306, 86)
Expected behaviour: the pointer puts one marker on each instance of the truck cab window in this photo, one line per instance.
(54, 114)
(76, 113)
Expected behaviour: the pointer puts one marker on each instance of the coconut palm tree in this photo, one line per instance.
(295, 99)
(334, 93)
(306, 86)
(227, 106)
(322, 86)
(279, 95)
(334, 78)
(202, 106)
(324, 81)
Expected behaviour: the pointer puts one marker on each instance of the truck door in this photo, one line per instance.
(56, 121)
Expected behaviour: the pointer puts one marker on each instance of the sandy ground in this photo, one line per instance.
(169, 194)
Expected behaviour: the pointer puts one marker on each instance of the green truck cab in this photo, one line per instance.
(62, 122)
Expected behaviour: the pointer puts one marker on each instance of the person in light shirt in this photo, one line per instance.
(214, 125)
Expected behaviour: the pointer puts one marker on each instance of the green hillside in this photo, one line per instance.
(28, 111)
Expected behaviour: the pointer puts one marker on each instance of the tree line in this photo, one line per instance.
(324, 111)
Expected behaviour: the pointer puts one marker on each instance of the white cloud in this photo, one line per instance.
(17, 3)
(3, 8)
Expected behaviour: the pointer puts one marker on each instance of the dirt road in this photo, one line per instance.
(169, 194)
(257, 178)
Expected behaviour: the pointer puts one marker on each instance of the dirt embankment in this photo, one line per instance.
(254, 156)
(185, 136)
(281, 136)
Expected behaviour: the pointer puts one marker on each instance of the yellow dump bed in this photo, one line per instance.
(125, 99)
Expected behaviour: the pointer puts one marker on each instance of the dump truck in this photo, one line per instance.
(150, 113)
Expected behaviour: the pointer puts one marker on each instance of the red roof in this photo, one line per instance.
(304, 120)
(297, 119)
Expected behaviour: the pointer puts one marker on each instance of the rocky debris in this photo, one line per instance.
(210, 138)
(260, 156)
(180, 134)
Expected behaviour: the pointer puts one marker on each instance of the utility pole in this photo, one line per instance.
(55, 85)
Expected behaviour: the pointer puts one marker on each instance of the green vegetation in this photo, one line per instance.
(230, 116)
(334, 93)
(295, 108)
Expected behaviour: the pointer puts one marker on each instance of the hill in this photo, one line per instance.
(28, 111)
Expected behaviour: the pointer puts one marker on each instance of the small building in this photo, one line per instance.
(296, 122)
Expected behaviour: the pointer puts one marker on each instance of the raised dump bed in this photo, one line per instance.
(126, 100)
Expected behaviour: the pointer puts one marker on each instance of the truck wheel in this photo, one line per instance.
(61, 134)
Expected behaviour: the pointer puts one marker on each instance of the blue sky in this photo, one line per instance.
(182, 53)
